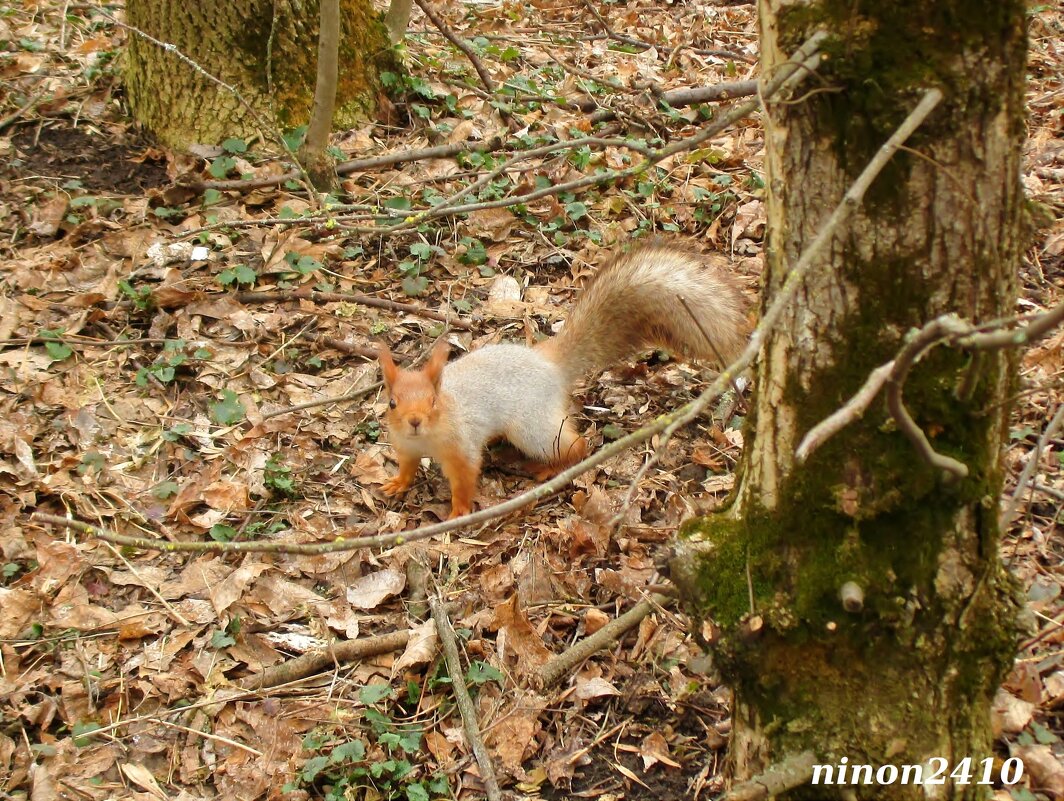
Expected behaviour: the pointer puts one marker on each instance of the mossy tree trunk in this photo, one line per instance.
(910, 675)
(265, 49)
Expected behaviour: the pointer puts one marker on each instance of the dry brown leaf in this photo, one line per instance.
(1008, 714)
(420, 648)
(655, 749)
(369, 591)
(1044, 767)
(519, 643)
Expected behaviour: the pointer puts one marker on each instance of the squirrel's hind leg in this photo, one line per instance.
(567, 447)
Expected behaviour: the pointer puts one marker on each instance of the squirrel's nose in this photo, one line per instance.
(414, 422)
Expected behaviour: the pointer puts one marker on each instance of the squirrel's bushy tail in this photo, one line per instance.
(633, 304)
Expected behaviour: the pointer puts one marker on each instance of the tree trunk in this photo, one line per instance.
(270, 60)
(908, 672)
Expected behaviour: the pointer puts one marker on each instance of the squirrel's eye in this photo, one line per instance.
(391, 403)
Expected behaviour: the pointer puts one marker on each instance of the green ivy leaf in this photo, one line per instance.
(221, 639)
(372, 693)
(165, 489)
(312, 767)
(222, 533)
(235, 146)
(415, 285)
(481, 672)
(417, 792)
(222, 166)
(228, 411)
(58, 351)
(353, 751)
(83, 733)
(576, 210)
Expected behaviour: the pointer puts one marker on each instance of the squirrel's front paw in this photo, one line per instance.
(394, 486)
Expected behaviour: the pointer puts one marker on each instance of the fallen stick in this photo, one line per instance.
(314, 661)
(563, 663)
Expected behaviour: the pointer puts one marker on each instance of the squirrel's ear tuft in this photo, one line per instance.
(388, 368)
(437, 361)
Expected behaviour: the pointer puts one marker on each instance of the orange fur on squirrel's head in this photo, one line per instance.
(412, 394)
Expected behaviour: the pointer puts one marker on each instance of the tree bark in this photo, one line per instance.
(265, 49)
(858, 603)
(314, 155)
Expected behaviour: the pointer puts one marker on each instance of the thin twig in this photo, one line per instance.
(712, 345)
(930, 335)
(29, 104)
(851, 411)
(350, 396)
(356, 165)
(459, 42)
(449, 643)
(1033, 458)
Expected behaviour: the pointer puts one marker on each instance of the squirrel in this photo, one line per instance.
(451, 411)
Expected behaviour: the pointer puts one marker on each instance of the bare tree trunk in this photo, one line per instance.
(398, 19)
(860, 606)
(265, 49)
(313, 154)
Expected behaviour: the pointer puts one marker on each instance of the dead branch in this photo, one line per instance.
(354, 165)
(565, 662)
(934, 332)
(15, 115)
(313, 661)
(278, 296)
(457, 41)
(461, 696)
(778, 779)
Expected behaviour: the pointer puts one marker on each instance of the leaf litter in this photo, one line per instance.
(136, 388)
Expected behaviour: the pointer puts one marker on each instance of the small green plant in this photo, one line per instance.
(220, 532)
(382, 764)
(165, 489)
(92, 462)
(304, 265)
(475, 253)
(278, 478)
(141, 295)
(240, 274)
(223, 638)
(175, 432)
(221, 167)
(56, 348)
(164, 368)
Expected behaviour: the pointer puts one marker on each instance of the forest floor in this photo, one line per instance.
(137, 386)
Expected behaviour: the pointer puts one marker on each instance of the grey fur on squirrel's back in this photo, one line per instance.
(532, 398)
(633, 303)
